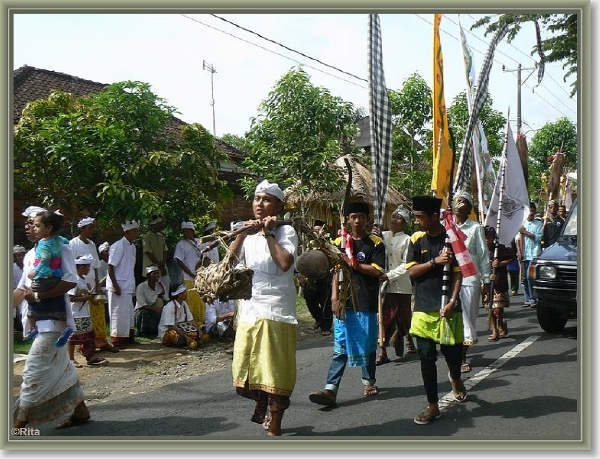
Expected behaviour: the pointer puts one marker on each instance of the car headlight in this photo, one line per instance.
(547, 272)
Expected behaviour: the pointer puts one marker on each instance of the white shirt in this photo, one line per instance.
(480, 254)
(80, 308)
(215, 309)
(17, 273)
(79, 248)
(188, 252)
(122, 258)
(146, 296)
(173, 313)
(273, 290)
(396, 249)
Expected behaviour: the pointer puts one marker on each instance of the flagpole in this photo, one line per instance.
(498, 224)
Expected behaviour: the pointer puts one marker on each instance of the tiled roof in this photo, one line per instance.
(31, 83)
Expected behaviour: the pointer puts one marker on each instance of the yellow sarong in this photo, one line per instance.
(264, 354)
(427, 325)
(194, 301)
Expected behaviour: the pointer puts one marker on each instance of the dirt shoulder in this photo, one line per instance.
(149, 365)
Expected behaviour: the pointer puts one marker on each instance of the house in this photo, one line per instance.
(31, 83)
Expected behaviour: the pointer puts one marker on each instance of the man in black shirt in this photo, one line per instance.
(427, 255)
(552, 225)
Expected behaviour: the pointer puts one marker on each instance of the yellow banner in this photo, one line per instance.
(442, 154)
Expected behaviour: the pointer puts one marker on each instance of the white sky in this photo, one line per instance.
(167, 51)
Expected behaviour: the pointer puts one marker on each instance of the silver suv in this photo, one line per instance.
(554, 278)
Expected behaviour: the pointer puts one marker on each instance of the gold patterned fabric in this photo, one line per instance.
(98, 314)
(264, 355)
(195, 302)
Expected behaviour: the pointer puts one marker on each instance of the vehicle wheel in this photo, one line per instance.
(549, 320)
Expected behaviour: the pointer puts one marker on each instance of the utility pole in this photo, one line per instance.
(210, 68)
(519, 84)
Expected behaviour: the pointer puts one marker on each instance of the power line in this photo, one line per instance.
(289, 49)
(276, 53)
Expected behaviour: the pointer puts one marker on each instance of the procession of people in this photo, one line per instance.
(263, 329)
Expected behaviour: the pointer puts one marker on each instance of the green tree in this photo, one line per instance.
(237, 141)
(493, 122)
(560, 47)
(297, 136)
(117, 155)
(560, 135)
(412, 116)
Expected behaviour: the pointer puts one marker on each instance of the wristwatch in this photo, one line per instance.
(269, 233)
(432, 261)
(36, 297)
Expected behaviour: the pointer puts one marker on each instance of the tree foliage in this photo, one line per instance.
(411, 116)
(116, 155)
(297, 135)
(560, 47)
(493, 122)
(560, 135)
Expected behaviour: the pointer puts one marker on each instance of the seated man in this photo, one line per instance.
(177, 326)
(219, 319)
(150, 298)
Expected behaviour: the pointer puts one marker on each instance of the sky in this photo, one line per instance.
(168, 51)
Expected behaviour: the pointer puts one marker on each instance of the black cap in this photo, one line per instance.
(427, 203)
(357, 208)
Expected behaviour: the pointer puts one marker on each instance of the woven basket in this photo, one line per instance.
(226, 280)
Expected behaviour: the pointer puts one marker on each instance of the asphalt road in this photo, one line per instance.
(523, 387)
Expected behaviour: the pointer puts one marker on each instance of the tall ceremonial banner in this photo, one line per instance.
(515, 199)
(485, 174)
(380, 113)
(463, 172)
(442, 154)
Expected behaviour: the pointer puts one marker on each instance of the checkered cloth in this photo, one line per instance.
(463, 171)
(459, 248)
(380, 122)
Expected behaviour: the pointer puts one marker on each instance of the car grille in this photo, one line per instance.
(567, 273)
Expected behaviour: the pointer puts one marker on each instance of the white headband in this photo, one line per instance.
(182, 288)
(270, 188)
(32, 211)
(129, 225)
(188, 225)
(84, 259)
(104, 246)
(403, 212)
(85, 222)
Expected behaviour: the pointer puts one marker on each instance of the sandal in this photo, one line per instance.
(426, 417)
(465, 368)
(76, 364)
(493, 338)
(459, 391)
(97, 361)
(381, 361)
(326, 333)
(504, 330)
(369, 391)
(72, 421)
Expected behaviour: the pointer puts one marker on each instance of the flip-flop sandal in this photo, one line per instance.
(459, 391)
(426, 417)
(76, 364)
(465, 368)
(97, 361)
(370, 391)
(72, 421)
(382, 361)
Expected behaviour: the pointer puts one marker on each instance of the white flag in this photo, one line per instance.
(515, 199)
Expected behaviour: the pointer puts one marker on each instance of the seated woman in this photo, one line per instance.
(177, 326)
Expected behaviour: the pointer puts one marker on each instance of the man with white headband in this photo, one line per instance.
(397, 304)
(150, 297)
(187, 256)
(470, 291)
(264, 356)
(83, 245)
(120, 285)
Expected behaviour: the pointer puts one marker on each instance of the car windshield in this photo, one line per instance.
(570, 228)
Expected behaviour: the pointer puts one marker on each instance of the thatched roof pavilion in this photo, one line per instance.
(325, 206)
